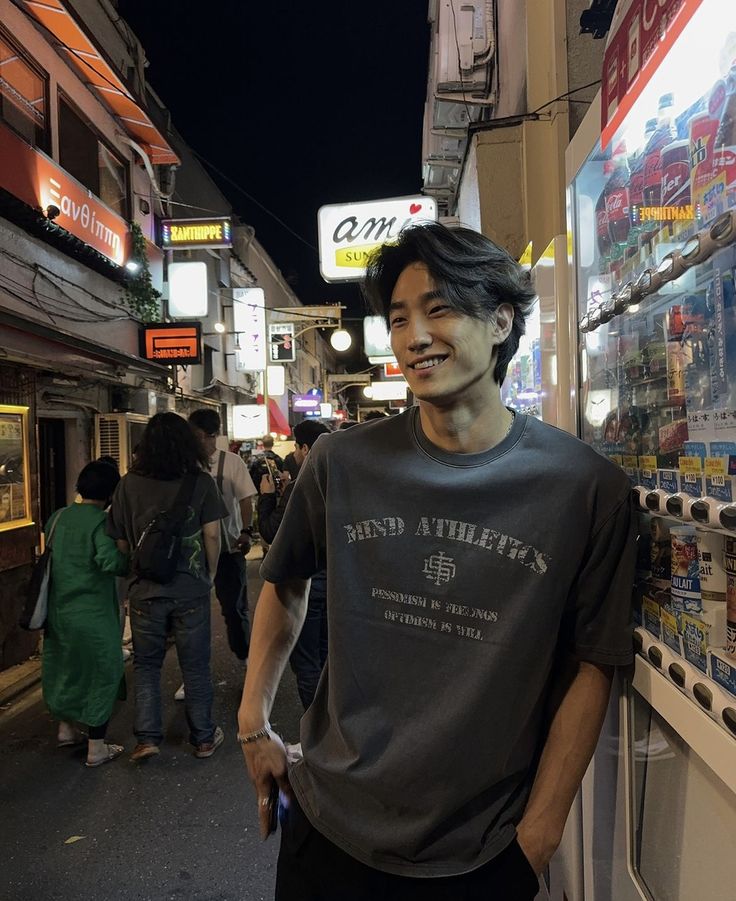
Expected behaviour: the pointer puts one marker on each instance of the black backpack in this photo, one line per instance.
(156, 555)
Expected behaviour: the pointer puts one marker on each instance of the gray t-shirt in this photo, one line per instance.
(136, 502)
(455, 583)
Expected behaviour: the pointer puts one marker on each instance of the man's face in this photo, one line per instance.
(445, 355)
(300, 453)
(208, 440)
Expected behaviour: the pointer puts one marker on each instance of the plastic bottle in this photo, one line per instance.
(637, 172)
(664, 134)
(618, 201)
(601, 218)
(725, 143)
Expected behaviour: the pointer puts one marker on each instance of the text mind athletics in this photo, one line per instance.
(452, 530)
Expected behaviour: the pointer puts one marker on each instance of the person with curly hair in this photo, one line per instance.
(169, 451)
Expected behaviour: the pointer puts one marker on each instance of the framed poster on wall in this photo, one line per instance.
(15, 486)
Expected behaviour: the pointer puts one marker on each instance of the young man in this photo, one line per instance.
(237, 490)
(310, 652)
(479, 570)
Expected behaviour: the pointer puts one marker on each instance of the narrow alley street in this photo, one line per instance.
(173, 827)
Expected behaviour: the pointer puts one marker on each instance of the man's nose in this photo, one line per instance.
(419, 336)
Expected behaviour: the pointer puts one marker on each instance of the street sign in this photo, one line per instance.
(281, 342)
(186, 234)
(172, 344)
(249, 325)
(348, 232)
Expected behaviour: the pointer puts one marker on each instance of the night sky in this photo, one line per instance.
(301, 104)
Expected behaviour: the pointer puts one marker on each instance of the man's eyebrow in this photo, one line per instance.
(424, 298)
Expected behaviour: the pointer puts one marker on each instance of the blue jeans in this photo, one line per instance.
(150, 621)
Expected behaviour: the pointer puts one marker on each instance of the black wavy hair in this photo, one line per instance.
(308, 431)
(474, 275)
(97, 481)
(206, 419)
(168, 449)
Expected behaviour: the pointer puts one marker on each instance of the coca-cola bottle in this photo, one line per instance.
(664, 134)
(724, 161)
(618, 200)
(601, 218)
(636, 164)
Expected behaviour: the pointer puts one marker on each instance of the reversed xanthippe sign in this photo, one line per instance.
(348, 232)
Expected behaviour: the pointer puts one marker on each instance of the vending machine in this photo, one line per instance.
(652, 195)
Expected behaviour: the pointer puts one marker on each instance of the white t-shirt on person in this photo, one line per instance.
(236, 486)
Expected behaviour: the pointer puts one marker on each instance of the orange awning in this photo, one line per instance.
(100, 77)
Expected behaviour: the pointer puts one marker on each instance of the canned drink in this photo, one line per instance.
(686, 597)
(711, 565)
(730, 564)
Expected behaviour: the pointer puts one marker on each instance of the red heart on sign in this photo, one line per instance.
(414, 208)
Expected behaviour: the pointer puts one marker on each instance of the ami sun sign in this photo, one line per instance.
(348, 232)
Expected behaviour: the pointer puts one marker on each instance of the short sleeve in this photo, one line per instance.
(243, 486)
(299, 548)
(213, 507)
(598, 623)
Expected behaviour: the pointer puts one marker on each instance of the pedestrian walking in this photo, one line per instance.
(168, 495)
(479, 570)
(237, 490)
(310, 651)
(82, 663)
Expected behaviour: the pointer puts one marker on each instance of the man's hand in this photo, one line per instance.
(245, 543)
(267, 485)
(538, 849)
(266, 762)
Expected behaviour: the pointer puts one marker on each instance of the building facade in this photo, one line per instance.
(90, 167)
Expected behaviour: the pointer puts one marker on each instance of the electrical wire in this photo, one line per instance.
(38, 270)
(253, 200)
(566, 96)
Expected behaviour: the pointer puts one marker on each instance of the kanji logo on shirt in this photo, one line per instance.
(439, 568)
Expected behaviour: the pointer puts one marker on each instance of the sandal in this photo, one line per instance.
(113, 752)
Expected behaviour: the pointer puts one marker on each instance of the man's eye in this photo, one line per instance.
(439, 308)
(397, 320)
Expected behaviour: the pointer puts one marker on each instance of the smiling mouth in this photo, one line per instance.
(427, 364)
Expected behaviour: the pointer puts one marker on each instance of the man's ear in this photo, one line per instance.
(504, 319)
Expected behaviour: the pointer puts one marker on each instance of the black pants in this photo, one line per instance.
(232, 593)
(97, 732)
(311, 868)
(310, 652)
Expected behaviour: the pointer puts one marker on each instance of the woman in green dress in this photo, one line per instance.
(82, 673)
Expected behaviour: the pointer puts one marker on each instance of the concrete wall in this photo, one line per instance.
(584, 62)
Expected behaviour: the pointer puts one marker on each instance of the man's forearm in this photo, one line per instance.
(246, 512)
(212, 552)
(278, 621)
(570, 744)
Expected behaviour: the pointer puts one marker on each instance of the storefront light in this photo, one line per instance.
(220, 328)
(340, 339)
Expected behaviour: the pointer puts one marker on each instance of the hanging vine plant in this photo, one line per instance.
(140, 295)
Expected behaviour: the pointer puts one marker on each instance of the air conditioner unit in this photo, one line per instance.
(464, 50)
(117, 435)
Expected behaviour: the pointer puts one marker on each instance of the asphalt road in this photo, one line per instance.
(172, 827)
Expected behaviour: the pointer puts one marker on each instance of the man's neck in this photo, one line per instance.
(466, 428)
